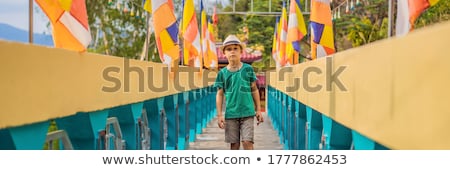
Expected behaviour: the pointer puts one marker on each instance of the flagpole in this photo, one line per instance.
(30, 21)
(180, 35)
(389, 19)
(144, 56)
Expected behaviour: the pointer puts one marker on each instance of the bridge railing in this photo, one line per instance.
(391, 94)
(98, 102)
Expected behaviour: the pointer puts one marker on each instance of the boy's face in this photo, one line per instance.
(233, 52)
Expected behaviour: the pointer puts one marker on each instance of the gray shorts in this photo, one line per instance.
(239, 129)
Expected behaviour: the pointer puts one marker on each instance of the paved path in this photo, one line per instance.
(213, 138)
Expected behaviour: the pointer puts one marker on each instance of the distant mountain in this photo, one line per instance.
(8, 32)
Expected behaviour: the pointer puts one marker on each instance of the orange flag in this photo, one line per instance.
(191, 35)
(407, 13)
(70, 23)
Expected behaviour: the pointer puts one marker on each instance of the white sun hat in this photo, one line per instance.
(231, 40)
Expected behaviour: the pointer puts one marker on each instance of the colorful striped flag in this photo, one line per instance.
(211, 59)
(70, 23)
(147, 5)
(204, 28)
(166, 31)
(407, 13)
(283, 37)
(214, 17)
(275, 42)
(191, 35)
(322, 37)
(296, 32)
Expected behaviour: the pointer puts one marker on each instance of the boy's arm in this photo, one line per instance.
(219, 102)
(256, 101)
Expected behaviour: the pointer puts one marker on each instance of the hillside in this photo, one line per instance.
(8, 32)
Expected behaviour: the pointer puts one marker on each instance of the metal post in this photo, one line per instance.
(306, 5)
(144, 55)
(389, 19)
(252, 5)
(30, 23)
(270, 5)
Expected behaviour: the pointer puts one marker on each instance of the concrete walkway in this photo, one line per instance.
(213, 138)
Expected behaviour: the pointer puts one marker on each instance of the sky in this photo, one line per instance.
(15, 13)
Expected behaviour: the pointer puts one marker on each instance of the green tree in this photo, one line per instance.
(229, 24)
(435, 14)
(256, 30)
(119, 28)
(368, 22)
(364, 24)
(260, 31)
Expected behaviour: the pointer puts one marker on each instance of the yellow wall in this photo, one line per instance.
(398, 90)
(40, 83)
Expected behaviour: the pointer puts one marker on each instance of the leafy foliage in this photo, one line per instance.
(366, 23)
(120, 33)
(118, 30)
(256, 30)
(369, 22)
(437, 13)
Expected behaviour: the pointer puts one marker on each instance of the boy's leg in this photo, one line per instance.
(247, 145)
(247, 131)
(232, 133)
(235, 146)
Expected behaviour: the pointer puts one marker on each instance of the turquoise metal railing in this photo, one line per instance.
(302, 128)
(405, 93)
(173, 122)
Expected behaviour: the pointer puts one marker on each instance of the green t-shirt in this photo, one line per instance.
(237, 89)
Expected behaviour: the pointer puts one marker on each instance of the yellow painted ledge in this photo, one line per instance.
(41, 83)
(397, 90)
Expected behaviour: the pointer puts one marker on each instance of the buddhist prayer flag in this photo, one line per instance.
(208, 44)
(204, 28)
(275, 42)
(191, 35)
(166, 31)
(296, 32)
(211, 59)
(214, 17)
(322, 37)
(148, 5)
(70, 28)
(407, 13)
(283, 37)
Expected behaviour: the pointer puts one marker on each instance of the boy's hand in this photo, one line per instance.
(221, 122)
(259, 117)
